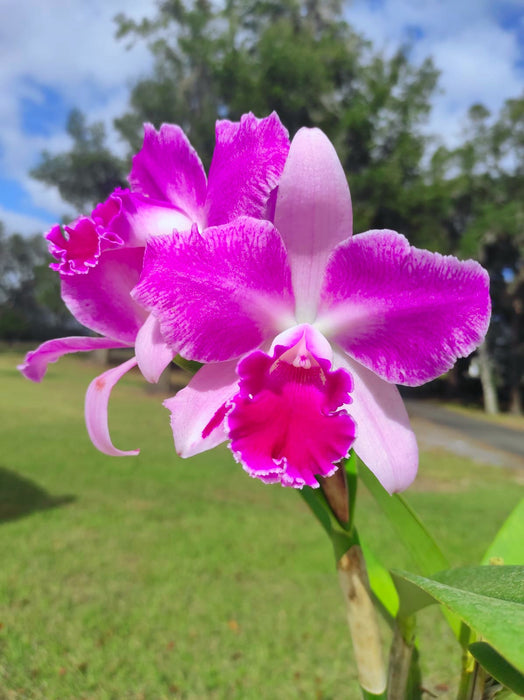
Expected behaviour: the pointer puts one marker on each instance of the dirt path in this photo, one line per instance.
(480, 440)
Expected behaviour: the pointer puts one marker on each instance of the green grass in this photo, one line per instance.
(154, 577)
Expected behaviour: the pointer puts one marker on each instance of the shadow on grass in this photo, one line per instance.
(20, 496)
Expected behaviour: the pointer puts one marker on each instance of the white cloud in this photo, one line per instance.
(477, 58)
(22, 223)
(70, 46)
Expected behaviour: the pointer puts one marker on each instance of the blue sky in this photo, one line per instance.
(68, 56)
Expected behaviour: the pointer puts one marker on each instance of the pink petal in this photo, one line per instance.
(97, 398)
(313, 214)
(141, 217)
(35, 364)
(385, 442)
(247, 163)
(407, 314)
(152, 352)
(168, 169)
(197, 408)
(218, 295)
(101, 299)
(285, 424)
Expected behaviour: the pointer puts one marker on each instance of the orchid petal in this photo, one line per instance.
(152, 352)
(200, 407)
(101, 299)
(168, 169)
(285, 424)
(385, 441)
(97, 398)
(35, 364)
(313, 214)
(407, 314)
(219, 295)
(141, 217)
(247, 163)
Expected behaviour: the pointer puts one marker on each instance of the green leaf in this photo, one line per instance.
(498, 667)
(380, 581)
(351, 467)
(490, 599)
(426, 553)
(411, 531)
(189, 365)
(507, 545)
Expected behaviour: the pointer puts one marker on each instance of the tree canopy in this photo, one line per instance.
(304, 60)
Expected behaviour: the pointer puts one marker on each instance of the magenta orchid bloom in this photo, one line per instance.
(305, 330)
(100, 257)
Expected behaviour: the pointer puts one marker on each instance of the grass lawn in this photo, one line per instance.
(154, 577)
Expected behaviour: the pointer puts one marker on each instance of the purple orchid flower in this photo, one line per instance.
(100, 257)
(306, 330)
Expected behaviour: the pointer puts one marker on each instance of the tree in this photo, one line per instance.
(303, 60)
(87, 173)
(485, 220)
(30, 304)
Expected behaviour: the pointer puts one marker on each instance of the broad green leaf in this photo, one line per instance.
(351, 466)
(425, 551)
(489, 599)
(498, 667)
(381, 582)
(411, 531)
(508, 544)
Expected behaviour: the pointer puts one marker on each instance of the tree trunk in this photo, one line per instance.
(517, 350)
(101, 356)
(489, 391)
(515, 400)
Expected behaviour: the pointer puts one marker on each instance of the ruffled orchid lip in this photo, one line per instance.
(78, 247)
(287, 424)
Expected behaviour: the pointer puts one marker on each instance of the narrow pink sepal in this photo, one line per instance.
(97, 399)
(35, 364)
(167, 168)
(385, 441)
(247, 163)
(152, 352)
(313, 214)
(407, 314)
(194, 408)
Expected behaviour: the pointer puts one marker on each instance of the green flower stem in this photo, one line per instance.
(400, 657)
(353, 579)
(468, 663)
(370, 696)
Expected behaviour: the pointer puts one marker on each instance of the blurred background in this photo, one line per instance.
(156, 577)
(423, 101)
